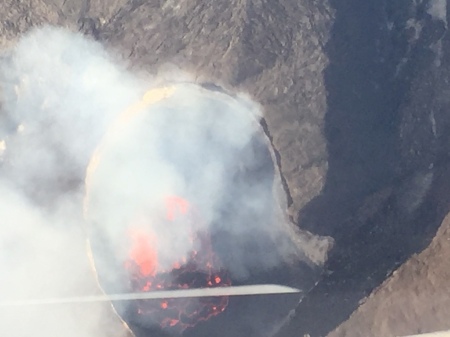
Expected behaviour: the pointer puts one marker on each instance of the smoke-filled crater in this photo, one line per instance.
(182, 192)
(177, 186)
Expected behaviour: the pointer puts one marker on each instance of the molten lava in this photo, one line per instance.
(198, 269)
(142, 252)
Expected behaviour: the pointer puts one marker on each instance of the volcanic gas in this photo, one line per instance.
(179, 190)
(159, 185)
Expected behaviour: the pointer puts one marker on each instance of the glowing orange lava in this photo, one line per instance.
(198, 269)
(142, 252)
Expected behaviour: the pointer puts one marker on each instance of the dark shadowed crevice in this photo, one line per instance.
(371, 251)
(284, 183)
(365, 96)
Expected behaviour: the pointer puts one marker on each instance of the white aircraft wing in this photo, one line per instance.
(263, 289)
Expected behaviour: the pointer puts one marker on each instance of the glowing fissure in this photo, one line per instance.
(198, 269)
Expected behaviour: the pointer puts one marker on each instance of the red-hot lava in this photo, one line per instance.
(199, 269)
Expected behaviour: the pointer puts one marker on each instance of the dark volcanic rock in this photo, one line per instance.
(413, 300)
(270, 50)
(390, 61)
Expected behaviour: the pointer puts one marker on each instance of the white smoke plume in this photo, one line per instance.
(438, 10)
(58, 93)
(62, 98)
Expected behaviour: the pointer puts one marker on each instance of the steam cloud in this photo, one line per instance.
(438, 9)
(61, 95)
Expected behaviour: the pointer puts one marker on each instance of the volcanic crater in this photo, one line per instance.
(231, 225)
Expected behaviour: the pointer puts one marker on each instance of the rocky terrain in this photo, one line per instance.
(417, 306)
(355, 101)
